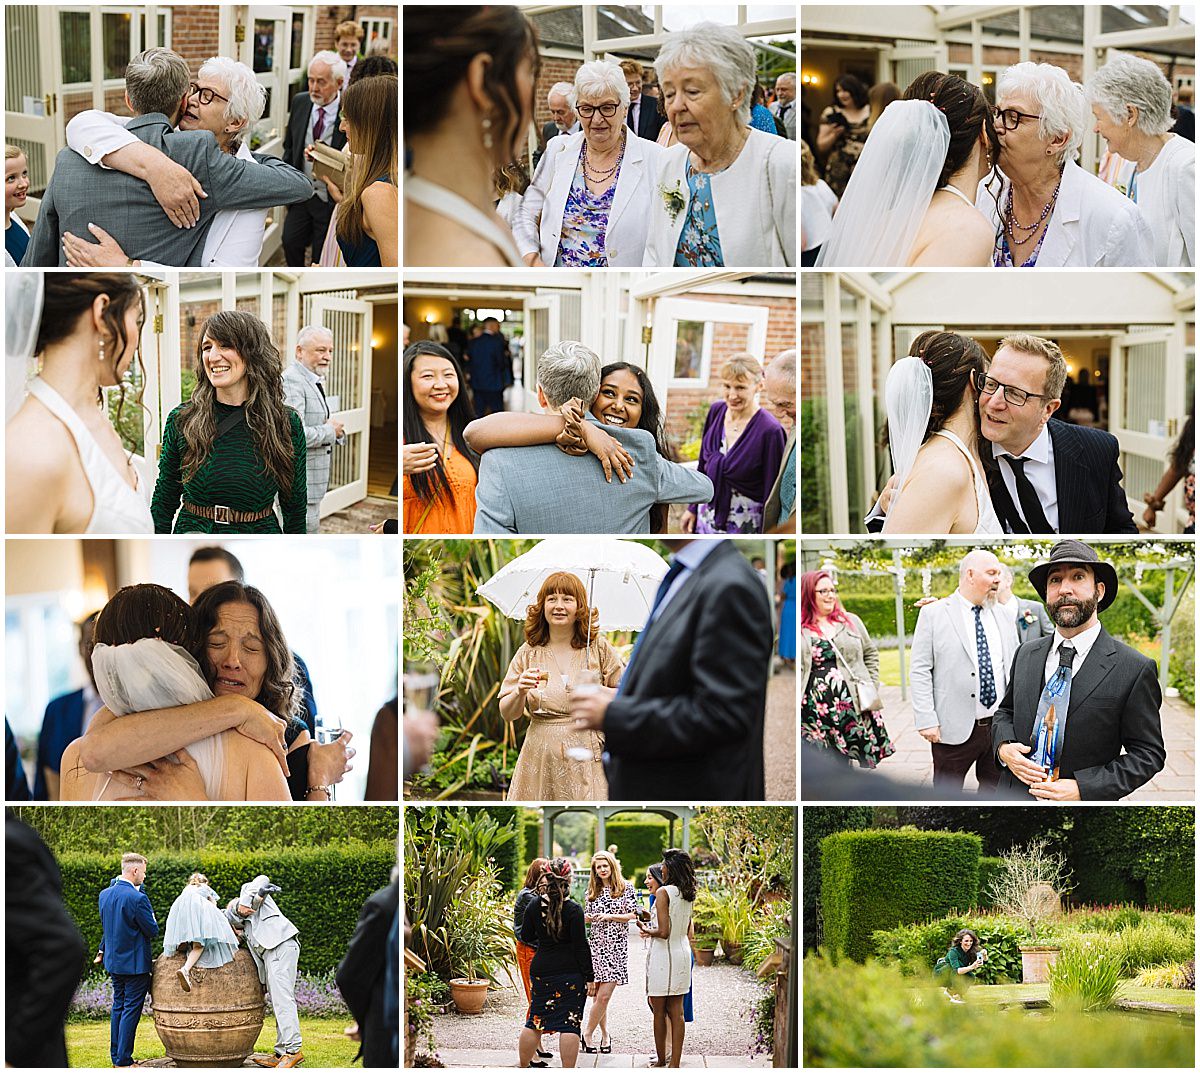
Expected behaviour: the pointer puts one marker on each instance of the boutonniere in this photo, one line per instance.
(672, 199)
(1028, 617)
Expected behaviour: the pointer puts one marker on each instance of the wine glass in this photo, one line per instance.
(326, 736)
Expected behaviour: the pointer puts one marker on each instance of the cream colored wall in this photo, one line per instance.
(910, 21)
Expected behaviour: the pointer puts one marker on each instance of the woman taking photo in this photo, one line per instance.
(440, 469)
(589, 203)
(535, 885)
(964, 957)
(839, 677)
(611, 905)
(236, 444)
(669, 964)
(469, 74)
(66, 469)
(561, 971)
(562, 650)
(741, 451)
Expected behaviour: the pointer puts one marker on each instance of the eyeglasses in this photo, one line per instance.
(588, 110)
(206, 95)
(826, 592)
(1015, 396)
(1010, 118)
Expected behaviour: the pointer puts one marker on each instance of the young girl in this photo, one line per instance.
(196, 925)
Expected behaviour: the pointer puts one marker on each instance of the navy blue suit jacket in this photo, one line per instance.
(61, 725)
(129, 925)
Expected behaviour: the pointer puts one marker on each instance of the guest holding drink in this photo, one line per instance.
(611, 905)
(654, 880)
(562, 652)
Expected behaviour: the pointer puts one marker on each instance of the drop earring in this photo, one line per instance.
(487, 132)
(102, 351)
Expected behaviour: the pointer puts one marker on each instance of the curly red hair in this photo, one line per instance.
(537, 629)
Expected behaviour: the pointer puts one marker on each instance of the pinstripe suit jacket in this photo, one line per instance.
(301, 394)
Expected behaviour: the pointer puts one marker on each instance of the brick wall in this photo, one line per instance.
(195, 33)
(553, 69)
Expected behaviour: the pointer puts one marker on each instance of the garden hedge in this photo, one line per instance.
(1145, 856)
(871, 880)
(509, 857)
(530, 836)
(324, 889)
(989, 867)
(817, 823)
(640, 841)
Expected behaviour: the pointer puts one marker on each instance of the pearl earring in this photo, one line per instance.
(102, 350)
(487, 132)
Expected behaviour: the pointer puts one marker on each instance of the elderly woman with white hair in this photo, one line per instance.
(588, 204)
(226, 99)
(1048, 211)
(726, 195)
(1131, 100)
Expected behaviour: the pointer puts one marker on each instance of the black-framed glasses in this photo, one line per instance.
(588, 110)
(1010, 118)
(832, 591)
(206, 95)
(1014, 396)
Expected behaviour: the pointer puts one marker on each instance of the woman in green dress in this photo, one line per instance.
(964, 957)
(235, 445)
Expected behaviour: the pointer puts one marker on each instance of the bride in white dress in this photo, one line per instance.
(911, 198)
(933, 433)
(66, 469)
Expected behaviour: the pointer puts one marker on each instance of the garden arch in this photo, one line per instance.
(603, 813)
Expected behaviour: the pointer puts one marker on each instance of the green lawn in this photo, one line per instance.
(997, 993)
(324, 1045)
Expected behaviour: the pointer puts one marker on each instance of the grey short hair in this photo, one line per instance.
(569, 370)
(722, 50)
(560, 89)
(784, 364)
(594, 79)
(787, 76)
(1006, 573)
(311, 331)
(337, 65)
(1127, 80)
(247, 96)
(157, 80)
(1060, 101)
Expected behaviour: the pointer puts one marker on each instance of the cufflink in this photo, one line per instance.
(88, 151)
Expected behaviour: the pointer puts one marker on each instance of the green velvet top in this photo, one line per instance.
(232, 476)
(958, 960)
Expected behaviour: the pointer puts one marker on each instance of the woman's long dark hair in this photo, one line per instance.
(954, 361)
(1185, 446)
(139, 611)
(268, 417)
(558, 893)
(279, 693)
(958, 938)
(681, 872)
(432, 485)
(374, 147)
(967, 113)
(855, 87)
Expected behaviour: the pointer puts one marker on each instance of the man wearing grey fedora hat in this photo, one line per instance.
(1080, 719)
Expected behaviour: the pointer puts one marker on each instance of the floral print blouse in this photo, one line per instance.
(585, 221)
(699, 244)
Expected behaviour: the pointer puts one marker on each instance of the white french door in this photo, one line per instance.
(543, 327)
(33, 116)
(906, 63)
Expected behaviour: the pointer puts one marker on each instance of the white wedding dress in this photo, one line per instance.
(989, 522)
(150, 674)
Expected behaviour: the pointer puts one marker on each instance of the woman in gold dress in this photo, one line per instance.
(558, 762)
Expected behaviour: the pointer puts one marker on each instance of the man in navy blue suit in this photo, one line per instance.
(129, 925)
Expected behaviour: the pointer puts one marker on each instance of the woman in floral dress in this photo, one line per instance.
(611, 905)
(839, 663)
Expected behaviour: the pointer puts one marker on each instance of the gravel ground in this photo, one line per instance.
(779, 737)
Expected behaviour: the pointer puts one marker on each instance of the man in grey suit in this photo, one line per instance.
(784, 106)
(540, 489)
(1027, 616)
(304, 392)
(273, 942)
(157, 84)
(961, 653)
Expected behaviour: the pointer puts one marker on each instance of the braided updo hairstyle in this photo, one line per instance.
(953, 361)
(967, 112)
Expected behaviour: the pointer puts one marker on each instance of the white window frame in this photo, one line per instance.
(670, 310)
(384, 24)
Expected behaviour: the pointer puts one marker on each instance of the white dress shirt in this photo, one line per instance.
(991, 631)
(1039, 469)
(691, 556)
(319, 383)
(1082, 643)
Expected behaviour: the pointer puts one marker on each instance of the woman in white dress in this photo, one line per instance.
(66, 469)
(197, 925)
(911, 198)
(669, 960)
(933, 433)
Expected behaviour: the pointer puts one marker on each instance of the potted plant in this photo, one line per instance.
(733, 914)
(705, 949)
(479, 940)
(1030, 886)
(469, 992)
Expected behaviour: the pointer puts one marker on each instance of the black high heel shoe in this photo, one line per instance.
(606, 1048)
(586, 1047)
(544, 1054)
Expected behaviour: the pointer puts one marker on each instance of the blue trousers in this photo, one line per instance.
(129, 994)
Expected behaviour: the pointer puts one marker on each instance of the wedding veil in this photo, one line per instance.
(909, 395)
(22, 322)
(890, 188)
(149, 674)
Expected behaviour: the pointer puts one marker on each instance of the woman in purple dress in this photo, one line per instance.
(740, 452)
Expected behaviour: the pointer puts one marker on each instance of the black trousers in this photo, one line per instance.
(305, 226)
(952, 762)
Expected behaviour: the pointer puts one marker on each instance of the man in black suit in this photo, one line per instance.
(1080, 719)
(315, 117)
(687, 720)
(363, 974)
(643, 118)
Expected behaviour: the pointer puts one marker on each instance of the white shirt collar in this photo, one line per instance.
(693, 554)
(331, 108)
(1082, 642)
(1038, 451)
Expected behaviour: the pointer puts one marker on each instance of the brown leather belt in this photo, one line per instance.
(226, 515)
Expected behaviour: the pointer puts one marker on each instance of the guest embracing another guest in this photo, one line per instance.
(727, 194)
(741, 451)
(439, 467)
(843, 131)
(840, 707)
(611, 905)
(1131, 100)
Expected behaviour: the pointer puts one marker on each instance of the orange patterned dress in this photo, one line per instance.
(444, 515)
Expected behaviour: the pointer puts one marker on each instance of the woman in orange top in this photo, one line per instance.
(439, 469)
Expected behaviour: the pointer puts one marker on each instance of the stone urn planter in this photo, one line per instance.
(215, 1024)
(469, 995)
(1036, 962)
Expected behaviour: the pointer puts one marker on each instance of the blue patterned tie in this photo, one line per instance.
(987, 679)
(1051, 722)
(664, 587)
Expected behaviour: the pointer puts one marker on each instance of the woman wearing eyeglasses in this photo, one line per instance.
(1048, 212)
(839, 677)
(588, 204)
(226, 99)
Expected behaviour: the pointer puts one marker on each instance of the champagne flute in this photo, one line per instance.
(543, 675)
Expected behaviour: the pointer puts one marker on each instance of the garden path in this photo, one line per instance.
(719, 1037)
(779, 737)
(912, 764)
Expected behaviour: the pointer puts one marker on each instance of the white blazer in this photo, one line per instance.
(538, 223)
(236, 236)
(1093, 225)
(754, 200)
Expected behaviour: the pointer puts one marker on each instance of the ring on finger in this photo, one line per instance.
(140, 781)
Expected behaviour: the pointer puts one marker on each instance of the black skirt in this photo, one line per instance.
(557, 1004)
